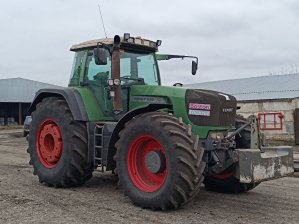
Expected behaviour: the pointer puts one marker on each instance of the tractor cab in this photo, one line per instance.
(93, 65)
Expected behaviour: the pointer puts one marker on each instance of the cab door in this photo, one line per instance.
(96, 76)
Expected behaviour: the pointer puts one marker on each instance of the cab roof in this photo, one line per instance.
(132, 42)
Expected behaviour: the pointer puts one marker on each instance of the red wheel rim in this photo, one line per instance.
(224, 176)
(141, 177)
(49, 143)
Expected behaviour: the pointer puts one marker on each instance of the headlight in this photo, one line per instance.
(126, 36)
(113, 82)
(110, 82)
(153, 44)
(146, 43)
(131, 40)
(138, 41)
(159, 42)
(116, 82)
(217, 135)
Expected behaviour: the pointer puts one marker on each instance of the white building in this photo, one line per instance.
(274, 99)
(16, 95)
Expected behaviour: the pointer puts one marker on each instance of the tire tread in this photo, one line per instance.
(78, 169)
(189, 158)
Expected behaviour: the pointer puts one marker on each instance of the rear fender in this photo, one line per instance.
(72, 97)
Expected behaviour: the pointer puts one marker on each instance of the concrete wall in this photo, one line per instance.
(287, 107)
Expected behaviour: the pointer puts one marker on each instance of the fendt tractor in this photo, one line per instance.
(163, 142)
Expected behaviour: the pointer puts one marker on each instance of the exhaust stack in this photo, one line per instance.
(117, 104)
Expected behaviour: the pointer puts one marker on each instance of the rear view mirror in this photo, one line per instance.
(100, 56)
(194, 67)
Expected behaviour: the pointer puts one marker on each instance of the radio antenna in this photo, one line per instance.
(102, 21)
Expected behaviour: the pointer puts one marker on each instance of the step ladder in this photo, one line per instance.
(98, 145)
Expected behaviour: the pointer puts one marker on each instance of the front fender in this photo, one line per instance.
(121, 124)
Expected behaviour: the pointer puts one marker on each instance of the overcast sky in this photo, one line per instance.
(232, 39)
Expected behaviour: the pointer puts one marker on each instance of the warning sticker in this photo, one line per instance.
(200, 112)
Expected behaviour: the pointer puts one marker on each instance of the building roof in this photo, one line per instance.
(256, 88)
(19, 90)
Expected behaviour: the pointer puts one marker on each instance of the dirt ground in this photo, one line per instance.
(24, 200)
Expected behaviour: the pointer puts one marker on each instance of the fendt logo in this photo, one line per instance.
(227, 110)
(200, 106)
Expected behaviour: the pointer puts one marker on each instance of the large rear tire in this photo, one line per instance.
(58, 145)
(226, 182)
(177, 177)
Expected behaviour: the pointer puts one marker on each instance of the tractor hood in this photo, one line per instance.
(199, 108)
(210, 108)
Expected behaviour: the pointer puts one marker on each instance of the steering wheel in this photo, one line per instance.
(127, 79)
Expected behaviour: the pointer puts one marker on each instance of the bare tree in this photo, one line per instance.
(293, 70)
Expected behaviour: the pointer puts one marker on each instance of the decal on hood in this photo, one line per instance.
(199, 106)
(147, 99)
(200, 112)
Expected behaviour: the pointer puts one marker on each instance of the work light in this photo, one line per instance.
(126, 36)
(110, 82)
(116, 82)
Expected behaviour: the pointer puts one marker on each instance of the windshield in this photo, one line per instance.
(132, 66)
(138, 65)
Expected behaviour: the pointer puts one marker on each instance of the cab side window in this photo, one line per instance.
(97, 74)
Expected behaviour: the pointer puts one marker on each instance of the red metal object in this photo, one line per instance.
(49, 143)
(264, 115)
(141, 177)
(280, 115)
(224, 176)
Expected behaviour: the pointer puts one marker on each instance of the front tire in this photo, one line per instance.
(157, 138)
(58, 145)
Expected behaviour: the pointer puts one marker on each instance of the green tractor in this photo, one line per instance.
(163, 142)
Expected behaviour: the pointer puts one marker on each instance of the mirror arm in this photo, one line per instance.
(105, 46)
(169, 56)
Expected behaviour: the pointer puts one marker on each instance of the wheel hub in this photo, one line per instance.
(155, 161)
(147, 163)
(49, 143)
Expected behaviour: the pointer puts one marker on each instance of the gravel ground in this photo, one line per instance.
(24, 200)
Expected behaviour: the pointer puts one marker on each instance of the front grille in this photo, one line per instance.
(221, 112)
